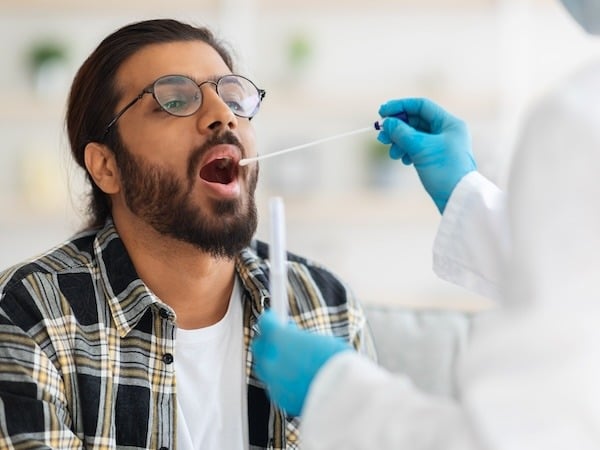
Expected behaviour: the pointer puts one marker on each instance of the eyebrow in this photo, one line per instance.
(213, 78)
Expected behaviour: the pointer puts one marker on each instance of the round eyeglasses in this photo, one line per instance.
(181, 96)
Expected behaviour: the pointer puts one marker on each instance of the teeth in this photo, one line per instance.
(223, 163)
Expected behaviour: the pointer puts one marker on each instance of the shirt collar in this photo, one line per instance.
(251, 269)
(129, 298)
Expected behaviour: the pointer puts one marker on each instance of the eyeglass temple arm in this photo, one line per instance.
(129, 105)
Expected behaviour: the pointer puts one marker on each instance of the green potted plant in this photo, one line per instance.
(47, 61)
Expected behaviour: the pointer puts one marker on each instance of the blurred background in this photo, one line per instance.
(326, 66)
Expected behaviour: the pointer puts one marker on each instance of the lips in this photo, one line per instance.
(219, 171)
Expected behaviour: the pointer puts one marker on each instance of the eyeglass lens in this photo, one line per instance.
(181, 96)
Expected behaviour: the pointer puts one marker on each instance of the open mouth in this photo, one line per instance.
(219, 170)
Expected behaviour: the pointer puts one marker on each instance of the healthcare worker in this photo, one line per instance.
(529, 379)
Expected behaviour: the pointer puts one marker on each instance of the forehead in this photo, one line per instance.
(196, 59)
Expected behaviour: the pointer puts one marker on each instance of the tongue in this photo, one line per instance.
(218, 171)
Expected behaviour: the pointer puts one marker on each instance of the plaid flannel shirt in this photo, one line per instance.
(86, 350)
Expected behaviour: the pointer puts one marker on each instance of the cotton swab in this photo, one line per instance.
(377, 126)
(277, 252)
(246, 161)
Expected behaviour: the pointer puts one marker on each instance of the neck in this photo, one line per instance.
(195, 284)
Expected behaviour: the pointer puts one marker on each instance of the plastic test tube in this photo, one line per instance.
(277, 252)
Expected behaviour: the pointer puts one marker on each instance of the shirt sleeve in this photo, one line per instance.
(352, 403)
(33, 406)
(360, 337)
(328, 305)
(473, 241)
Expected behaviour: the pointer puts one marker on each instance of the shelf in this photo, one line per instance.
(152, 6)
(108, 7)
(26, 107)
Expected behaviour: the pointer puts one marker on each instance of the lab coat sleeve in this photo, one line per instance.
(473, 240)
(530, 377)
(354, 404)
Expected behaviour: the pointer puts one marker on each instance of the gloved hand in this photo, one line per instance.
(287, 359)
(437, 143)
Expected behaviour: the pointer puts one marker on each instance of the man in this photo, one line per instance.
(135, 332)
(529, 379)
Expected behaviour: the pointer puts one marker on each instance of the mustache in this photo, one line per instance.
(226, 137)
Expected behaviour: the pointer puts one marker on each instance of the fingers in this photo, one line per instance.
(268, 322)
(422, 113)
(395, 151)
(406, 159)
(262, 346)
(411, 106)
(405, 139)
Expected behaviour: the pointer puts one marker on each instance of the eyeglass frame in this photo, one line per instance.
(150, 90)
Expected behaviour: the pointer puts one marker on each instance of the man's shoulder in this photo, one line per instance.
(71, 255)
(303, 271)
(315, 293)
(261, 250)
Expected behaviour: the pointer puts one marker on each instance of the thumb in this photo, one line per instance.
(407, 141)
(268, 323)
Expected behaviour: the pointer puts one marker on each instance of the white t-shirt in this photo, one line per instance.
(211, 392)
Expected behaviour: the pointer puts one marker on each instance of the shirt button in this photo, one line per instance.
(167, 358)
(164, 313)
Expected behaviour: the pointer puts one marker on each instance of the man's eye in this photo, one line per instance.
(234, 106)
(174, 105)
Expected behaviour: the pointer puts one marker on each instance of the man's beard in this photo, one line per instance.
(162, 200)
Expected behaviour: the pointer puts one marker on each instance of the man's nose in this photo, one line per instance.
(214, 113)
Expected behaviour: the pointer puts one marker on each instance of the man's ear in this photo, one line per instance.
(102, 167)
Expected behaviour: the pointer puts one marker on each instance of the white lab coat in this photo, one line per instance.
(530, 378)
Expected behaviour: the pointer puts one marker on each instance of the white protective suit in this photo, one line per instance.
(531, 377)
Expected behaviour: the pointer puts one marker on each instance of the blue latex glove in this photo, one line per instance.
(287, 359)
(437, 143)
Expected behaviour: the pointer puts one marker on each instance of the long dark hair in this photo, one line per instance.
(94, 95)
